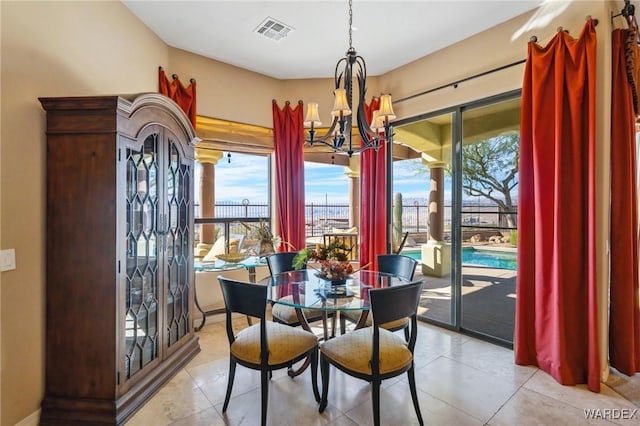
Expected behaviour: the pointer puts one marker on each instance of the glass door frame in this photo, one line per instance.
(456, 113)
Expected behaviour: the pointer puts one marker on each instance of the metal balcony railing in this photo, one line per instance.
(324, 218)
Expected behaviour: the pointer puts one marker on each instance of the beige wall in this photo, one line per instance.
(50, 49)
(90, 48)
(227, 92)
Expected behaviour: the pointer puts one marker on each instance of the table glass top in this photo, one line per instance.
(304, 289)
(220, 265)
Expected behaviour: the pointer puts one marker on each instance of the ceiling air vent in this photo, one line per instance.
(273, 29)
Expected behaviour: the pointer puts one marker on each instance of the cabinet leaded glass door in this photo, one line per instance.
(178, 244)
(141, 321)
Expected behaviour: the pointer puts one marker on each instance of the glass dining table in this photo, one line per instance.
(305, 289)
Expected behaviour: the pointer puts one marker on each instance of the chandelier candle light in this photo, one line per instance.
(371, 133)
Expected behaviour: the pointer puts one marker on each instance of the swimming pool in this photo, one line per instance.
(485, 258)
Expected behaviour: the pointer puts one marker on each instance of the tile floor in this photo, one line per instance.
(460, 381)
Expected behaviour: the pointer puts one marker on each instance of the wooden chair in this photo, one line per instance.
(283, 262)
(266, 346)
(349, 240)
(375, 354)
(396, 264)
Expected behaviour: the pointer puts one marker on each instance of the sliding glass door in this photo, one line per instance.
(488, 179)
(422, 209)
(467, 170)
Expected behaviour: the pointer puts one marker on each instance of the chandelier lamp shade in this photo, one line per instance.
(339, 135)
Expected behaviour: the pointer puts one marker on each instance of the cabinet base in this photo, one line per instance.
(89, 411)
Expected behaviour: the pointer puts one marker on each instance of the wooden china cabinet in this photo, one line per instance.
(120, 280)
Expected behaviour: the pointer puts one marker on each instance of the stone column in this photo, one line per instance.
(436, 202)
(436, 254)
(208, 159)
(353, 173)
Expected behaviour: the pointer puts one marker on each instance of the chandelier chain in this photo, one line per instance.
(339, 136)
(350, 24)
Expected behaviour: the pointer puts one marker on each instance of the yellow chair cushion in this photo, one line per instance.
(287, 314)
(353, 351)
(285, 343)
(391, 325)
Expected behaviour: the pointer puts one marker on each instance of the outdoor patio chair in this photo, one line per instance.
(266, 346)
(402, 243)
(350, 240)
(279, 263)
(223, 245)
(396, 264)
(375, 354)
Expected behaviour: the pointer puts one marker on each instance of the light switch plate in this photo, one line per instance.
(7, 259)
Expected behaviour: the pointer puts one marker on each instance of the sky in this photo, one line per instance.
(245, 177)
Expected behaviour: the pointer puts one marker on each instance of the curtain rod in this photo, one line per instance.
(534, 38)
(455, 83)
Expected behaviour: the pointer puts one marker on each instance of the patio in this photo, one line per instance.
(488, 300)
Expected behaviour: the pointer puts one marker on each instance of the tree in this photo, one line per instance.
(490, 170)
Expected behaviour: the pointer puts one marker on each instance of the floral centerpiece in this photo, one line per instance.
(333, 260)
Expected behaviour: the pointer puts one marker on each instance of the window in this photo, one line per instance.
(232, 197)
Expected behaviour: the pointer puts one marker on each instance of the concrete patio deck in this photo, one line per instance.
(488, 300)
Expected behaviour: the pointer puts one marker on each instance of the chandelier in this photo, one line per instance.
(339, 135)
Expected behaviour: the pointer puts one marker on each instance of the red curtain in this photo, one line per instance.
(185, 97)
(556, 306)
(624, 321)
(288, 133)
(373, 205)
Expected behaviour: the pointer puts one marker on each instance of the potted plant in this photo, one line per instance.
(267, 242)
(333, 260)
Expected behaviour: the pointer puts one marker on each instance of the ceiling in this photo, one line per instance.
(388, 34)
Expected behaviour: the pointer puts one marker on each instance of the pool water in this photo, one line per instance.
(492, 259)
(486, 258)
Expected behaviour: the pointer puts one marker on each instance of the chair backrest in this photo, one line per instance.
(395, 302)
(397, 264)
(391, 304)
(244, 298)
(248, 299)
(282, 262)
